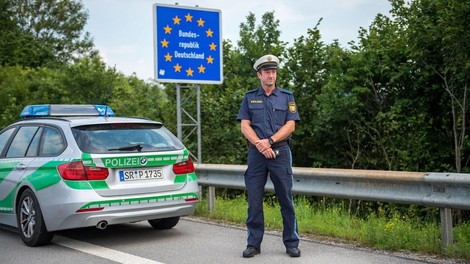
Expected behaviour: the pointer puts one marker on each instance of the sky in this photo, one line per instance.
(122, 30)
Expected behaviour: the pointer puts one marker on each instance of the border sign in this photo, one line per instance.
(187, 44)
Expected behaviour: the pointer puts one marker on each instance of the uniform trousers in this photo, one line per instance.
(280, 171)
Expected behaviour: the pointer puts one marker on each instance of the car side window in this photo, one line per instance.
(4, 138)
(21, 142)
(52, 142)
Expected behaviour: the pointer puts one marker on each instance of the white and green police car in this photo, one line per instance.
(71, 166)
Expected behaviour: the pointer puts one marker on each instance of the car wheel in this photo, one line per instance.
(31, 224)
(165, 223)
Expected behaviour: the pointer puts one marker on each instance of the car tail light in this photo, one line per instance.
(184, 167)
(75, 171)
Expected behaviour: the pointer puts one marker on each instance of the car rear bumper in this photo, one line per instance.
(76, 212)
(110, 217)
(135, 216)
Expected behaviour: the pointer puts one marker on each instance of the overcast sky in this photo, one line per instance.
(123, 29)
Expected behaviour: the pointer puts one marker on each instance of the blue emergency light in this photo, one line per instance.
(66, 110)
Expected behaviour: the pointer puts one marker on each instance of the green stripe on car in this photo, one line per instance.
(144, 200)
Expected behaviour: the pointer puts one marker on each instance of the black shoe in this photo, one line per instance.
(293, 252)
(250, 252)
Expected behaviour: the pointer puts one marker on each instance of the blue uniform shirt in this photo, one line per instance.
(268, 113)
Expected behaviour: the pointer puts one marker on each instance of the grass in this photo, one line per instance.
(395, 232)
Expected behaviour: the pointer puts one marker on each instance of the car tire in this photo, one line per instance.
(31, 224)
(165, 223)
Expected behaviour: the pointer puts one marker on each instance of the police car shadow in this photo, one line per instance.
(140, 232)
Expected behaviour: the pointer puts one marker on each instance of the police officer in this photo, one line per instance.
(267, 118)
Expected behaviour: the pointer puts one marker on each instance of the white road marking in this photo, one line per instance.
(102, 252)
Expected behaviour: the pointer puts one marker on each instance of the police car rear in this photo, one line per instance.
(71, 166)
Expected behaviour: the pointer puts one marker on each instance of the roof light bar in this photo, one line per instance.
(66, 110)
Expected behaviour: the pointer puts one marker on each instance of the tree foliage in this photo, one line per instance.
(306, 72)
(43, 32)
(392, 101)
(438, 35)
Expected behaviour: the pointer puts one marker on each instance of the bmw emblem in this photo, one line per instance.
(143, 161)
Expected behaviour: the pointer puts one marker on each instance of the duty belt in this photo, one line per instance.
(275, 145)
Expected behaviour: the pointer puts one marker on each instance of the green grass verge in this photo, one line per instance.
(396, 233)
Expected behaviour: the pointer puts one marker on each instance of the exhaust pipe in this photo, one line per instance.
(102, 225)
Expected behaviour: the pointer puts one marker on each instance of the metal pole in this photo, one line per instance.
(199, 152)
(179, 130)
(197, 122)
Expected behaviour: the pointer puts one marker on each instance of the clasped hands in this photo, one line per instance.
(264, 148)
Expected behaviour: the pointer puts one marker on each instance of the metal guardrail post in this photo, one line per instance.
(211, 198)
(446, 226)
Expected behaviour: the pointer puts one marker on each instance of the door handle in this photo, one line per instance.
(20, 167)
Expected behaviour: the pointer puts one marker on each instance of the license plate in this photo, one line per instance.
(137, 175)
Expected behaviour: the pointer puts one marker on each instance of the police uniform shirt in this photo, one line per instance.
(268, 113)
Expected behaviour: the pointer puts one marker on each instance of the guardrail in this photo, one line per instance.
(443, 190)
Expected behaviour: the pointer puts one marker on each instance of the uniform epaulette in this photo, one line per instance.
(252, 91)
(286, 91)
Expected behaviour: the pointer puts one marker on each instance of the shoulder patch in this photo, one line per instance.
(292, 107)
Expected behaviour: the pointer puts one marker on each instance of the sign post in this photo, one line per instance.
(188, 44)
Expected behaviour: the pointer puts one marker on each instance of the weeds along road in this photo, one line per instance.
(191, 241)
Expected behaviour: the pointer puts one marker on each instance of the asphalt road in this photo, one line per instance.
(191, 241)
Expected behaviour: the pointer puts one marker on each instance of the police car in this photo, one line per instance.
(71, 166)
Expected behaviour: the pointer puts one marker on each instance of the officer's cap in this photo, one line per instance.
(266, 62)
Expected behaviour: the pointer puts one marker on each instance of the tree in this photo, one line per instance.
(46, 31)
(305, 75)
(22, 86)
(18, 47)
(393, 129)
(400, 91)
(439, 42)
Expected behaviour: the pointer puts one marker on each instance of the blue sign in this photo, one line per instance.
(188, 44)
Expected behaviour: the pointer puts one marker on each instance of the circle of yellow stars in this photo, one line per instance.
(209, 33)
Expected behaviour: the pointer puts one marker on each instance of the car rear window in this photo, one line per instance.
(125, 137)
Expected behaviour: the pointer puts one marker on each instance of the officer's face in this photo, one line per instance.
(267, 77)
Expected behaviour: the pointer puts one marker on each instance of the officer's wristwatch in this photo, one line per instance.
(271, 141)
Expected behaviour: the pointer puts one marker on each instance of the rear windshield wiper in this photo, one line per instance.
(137, 147)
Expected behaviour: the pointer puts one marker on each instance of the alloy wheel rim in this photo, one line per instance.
(27, 217)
